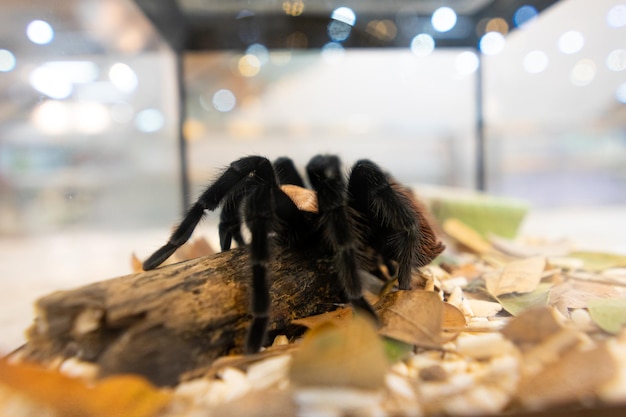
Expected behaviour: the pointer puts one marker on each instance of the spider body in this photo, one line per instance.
(369, 213)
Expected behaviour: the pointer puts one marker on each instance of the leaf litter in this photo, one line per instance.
(504, 327)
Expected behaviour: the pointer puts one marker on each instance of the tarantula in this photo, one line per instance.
(372, 213)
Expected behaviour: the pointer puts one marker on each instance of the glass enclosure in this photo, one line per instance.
(93, 167)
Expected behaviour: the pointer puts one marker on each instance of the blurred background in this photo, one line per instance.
(114, 114)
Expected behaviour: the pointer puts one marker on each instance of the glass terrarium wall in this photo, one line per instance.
(555, 107)
(411, 111)
(552, 100)
(88, 120)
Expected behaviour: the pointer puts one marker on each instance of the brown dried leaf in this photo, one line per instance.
(453, 318)
(532, 326)
(466, 236)
(414, 317)
(135, 263)
(574, 294)
(574, 378)
(304, 198)
(349, 356)
(129, 396)
(339, 317)
(521, 276)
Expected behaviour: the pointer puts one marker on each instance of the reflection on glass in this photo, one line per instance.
(40, 32)
(536, 62)
(423, 45)
(571, 42)
(7, 60)
(443, 19)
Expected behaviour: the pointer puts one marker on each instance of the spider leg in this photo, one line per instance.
(210, 199)
(394, 225)
(338, 229)
(259, 215)
(286, 172)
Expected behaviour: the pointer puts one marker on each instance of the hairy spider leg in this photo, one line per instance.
(324, 172)
(286, 172)
(210, 199)
(259, 216)
(293, 220)
(229, 227)
(393, 225)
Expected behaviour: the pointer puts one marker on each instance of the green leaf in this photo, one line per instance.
(396, 350)
(608, 313)
(516, 303)
(599, 261)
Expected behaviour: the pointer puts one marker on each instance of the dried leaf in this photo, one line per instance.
(339, 317)
(521, 276)
(304, 198)
(453, 318)
(128, 396)
(576, 294)
(135, 263)
(350, 356)
(599, 261)
(532, 326)
(608, 314)
(517, 303)
(413, 317)
(573, 378)
(466, 236)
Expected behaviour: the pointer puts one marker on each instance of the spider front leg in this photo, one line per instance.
(210, 199)
(393, 223)
(337, 227)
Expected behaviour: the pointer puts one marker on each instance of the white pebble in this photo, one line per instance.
(268, 372)
(483, 346)
(449, 285)
(399, 386)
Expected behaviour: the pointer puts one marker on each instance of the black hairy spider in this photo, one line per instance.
(371, 213)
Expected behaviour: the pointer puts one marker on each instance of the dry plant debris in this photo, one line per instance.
(502, 327)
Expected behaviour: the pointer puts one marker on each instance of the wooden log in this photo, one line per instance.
(172, 320)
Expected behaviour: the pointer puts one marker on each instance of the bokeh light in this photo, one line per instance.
(525, 15)
(466, 63)
(535, 62)
(422, 45)
(224, 100)
(616, 16)
(90, 118)
(123, 77)
(497, 24)
(51, 117)
(571, 42)
(249, 65)
(492, 43)
(338, 31)
(616, 60)
(259, 51)
(385, 30)
(333, 52)
(293, 7)
(583, 72)
(149, 120)
(443, 19)
(51, 82)
(345, 15)
(7, 60)
(40, 32)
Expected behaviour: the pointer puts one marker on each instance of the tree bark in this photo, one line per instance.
(172, 320)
